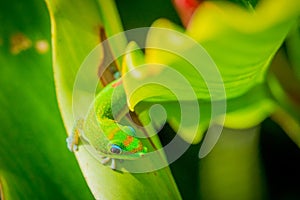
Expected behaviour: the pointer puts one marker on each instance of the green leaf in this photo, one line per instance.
(292, 44)
(240, 42)
(244, 35)
(75, 33)
(285, 87)
(73, 38)
(34, 163)
(237, 152)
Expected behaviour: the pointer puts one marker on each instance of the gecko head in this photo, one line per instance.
(129, 146)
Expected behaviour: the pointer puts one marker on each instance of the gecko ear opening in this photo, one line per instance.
(129, 130)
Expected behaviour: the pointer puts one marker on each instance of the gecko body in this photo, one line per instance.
(109, 138)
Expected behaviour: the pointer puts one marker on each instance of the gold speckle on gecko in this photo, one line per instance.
(111, 135)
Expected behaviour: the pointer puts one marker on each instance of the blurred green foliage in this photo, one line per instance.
(34, 163)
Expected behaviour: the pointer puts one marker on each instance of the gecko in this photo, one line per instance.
(109, 138)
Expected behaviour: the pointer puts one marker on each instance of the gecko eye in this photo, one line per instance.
(115, 149)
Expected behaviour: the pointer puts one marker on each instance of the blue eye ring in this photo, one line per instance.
(115, 149)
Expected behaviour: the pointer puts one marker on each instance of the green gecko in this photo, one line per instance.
(110, 139)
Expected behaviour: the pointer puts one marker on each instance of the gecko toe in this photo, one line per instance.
(105, 160)
(75, 147)
(70, 144)
(113, 164)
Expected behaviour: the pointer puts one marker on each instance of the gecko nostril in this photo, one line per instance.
(132, 129)
(129, 130)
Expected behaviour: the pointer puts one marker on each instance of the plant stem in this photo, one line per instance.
(233, 170)
(112, 26)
